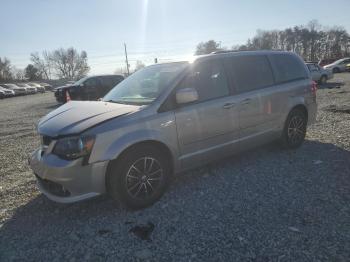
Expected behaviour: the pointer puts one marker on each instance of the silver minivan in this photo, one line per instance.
(167, 118)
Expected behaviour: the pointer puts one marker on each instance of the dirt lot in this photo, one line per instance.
(264, 205)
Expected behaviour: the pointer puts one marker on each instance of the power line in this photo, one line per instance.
(126, 59)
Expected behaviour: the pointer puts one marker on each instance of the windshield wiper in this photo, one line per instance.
(126, 103)
(116, 102)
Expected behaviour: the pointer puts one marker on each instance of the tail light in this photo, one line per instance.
(68, 96)
(314, 88)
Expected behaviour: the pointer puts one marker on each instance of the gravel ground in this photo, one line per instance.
(263, 205)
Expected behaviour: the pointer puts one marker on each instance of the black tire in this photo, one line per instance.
(336, 70)
(294, 129)
(135, 181)
(323, 80)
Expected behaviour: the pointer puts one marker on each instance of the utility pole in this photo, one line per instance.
(126, 59)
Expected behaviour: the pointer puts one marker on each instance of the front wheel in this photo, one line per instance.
(139, 178)
(295, 129)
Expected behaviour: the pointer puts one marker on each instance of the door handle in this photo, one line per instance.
(228, 105)
(246, 101)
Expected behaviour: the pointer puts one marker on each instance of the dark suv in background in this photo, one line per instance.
(88, 88)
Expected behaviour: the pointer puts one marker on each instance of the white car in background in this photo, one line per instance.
(339, 65)
(29, 89)
(40, 88)
(4, 92)
(47, 86)
(319, 74)
(16, 89)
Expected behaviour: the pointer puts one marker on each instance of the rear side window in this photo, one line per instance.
(107, 81)
(251, 72)
(347, 61)
(91, 82)
(287, 68)
(312, 67)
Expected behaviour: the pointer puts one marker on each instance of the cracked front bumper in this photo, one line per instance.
(67, 181)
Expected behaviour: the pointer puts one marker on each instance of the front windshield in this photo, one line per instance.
(144, 86)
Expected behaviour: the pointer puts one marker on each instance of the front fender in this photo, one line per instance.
(124, 142)
(110, 145)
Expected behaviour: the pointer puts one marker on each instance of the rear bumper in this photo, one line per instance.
(67, 181)
(20, 92)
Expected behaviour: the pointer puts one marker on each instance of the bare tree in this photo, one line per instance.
(32, 73)
(18, 74)
(312, 42)
(42, 64)
(139, 65)
(208, 47)
(5, 69)
(69, 64)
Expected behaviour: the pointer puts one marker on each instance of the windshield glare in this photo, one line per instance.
(144, 86)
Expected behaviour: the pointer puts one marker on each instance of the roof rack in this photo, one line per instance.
(232, 51)
(224, 51)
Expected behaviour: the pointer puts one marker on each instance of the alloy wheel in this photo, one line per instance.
(144, 178)
(296, 130)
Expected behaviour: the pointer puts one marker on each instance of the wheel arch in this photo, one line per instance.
(300, 107)
(150, 142)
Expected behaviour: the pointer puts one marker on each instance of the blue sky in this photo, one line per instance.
(167, 29)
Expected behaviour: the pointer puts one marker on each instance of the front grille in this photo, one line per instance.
(46, 140)
(53, 187)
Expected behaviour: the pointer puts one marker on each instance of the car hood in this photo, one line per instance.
(76, 116)
(329, 65)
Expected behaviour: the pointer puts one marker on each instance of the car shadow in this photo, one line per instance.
(54, 106)
(331, 85)
(40, 216)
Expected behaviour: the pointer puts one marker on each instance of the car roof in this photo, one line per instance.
(103, 75)
(340, 60)
(230, 53)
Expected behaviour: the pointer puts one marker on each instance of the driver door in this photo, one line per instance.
(208, 127)
(91, 88)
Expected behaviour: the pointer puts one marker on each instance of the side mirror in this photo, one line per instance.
(186, 95)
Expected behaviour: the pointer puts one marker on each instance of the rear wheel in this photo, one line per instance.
(336, 70)
(139, 178)
(295, 129)
(323, 80)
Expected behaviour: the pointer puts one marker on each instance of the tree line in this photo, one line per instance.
(61, 63)
(312, 42)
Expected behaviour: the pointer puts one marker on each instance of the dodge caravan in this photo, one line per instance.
(171, 117)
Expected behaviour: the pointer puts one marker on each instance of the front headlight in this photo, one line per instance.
(70, 148)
